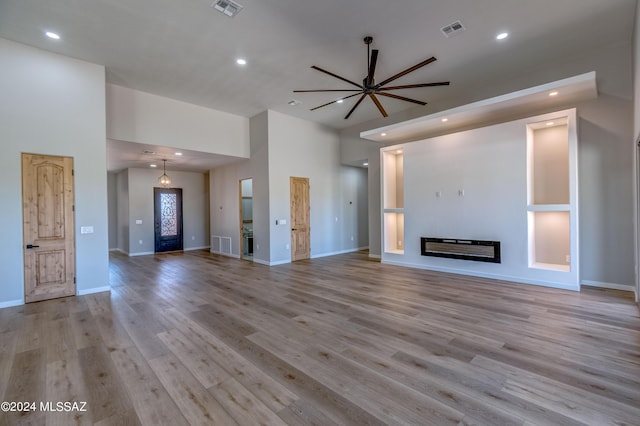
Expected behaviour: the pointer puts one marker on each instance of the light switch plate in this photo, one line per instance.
(86, 229)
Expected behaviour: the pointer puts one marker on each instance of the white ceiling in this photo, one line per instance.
(186, 50)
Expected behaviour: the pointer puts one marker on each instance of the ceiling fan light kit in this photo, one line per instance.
(369, 88)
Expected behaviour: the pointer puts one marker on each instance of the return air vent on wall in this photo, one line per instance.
(453, 29)
(228, 7)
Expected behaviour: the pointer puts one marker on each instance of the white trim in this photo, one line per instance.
(142, 253)
(10, 303)
(114, 249)
(120, 250)
(266, 263)
(612, 286)
(334, 253)
(197, 248)
(375, 256)
(235, 256)
(93, 290)
(563, 286)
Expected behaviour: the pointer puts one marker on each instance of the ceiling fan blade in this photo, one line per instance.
(355, 106)
(402, 98)
(336, 76)
(407, 71)
(378, 104)
(414, 86)
(328, 90)
(372, 66)
(333, 102)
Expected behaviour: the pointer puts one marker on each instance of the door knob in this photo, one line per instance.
(30, 246)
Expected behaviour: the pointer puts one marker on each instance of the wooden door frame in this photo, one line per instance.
(308, 233)
(51, 246)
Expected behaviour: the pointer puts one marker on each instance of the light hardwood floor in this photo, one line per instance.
(196, 338)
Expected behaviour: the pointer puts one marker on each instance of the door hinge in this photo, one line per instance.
(73, 172)
(74, 280)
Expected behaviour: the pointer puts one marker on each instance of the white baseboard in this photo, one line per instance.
(235, 256)
(266, 263)
(375, 256)
(10, 303)
(93, 290)
(612, 286)
(562, 286)
(197, 248)
(141, 253)
(334, 253)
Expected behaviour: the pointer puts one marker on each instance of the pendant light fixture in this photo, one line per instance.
(164, 179)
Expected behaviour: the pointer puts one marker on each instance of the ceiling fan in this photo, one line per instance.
(369, 86)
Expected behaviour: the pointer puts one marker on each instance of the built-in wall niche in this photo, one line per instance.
(393, 181)
(392, 160)
(550, 244)
(552, 193)
(394, 233)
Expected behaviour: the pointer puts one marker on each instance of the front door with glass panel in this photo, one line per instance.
(168, 219)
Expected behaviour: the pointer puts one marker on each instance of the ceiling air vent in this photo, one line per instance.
(452, 29)
(228, 7)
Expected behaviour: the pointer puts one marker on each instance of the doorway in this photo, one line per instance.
(246, 218)
(167, 207)
(48, 227)
(300, 219)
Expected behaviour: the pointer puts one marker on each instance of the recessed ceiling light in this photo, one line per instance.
(553, 94)
(293, 102)
(365, 164)
(241, 61)
(339, 101)
(399, 151)
(444, 120)
(383, 134)
(52, 35)
(153, 165)
(550, 123)
(178, 154)
(502, 36)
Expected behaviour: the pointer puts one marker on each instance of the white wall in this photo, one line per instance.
(224, 184)
(606, 166)
(489, 165)
(51, 104)
(195, 208)
(140, 117)
(122, 200)
(112, 204)
(304, 149)
(281, 147)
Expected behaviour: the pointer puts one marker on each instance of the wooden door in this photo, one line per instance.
(167, 219)
(48, 227)
(300, 221)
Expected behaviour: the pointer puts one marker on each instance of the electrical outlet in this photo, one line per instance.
(288, 247)
(352, 238)
(193, 238)
(567, 258)
(139, 241)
